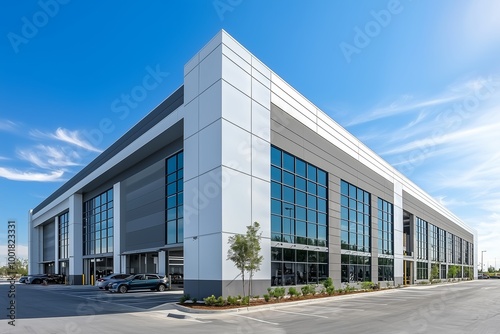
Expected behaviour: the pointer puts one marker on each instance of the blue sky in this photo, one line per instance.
(417, 81)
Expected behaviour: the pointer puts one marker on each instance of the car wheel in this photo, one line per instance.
(106, 288)
(162, 287)
(123, 289)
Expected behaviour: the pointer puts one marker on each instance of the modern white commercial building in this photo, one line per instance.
(233, 145)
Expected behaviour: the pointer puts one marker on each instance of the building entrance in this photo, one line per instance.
(408, 272)
(96, 268)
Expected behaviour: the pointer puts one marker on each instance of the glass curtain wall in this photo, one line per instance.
(98, 224)
(355, 233)
(174, 191)
(385, 241)
(299, 220)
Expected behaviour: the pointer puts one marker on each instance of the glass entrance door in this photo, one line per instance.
(408, 272)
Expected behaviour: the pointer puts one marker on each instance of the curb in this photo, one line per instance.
(272, 306)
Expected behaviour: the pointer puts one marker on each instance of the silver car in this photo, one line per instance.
(102, 283)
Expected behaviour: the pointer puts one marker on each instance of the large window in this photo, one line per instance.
(457, 249)
(449, 248)
(299, 218)
(385, 269)
(299, 201)
(422, 270)
(385, 227)
(295, 267)
(174, 205)
(356, 268)
(433, 242)
(442, 245)
(98, 224)
(63, 235)
(421, 239)
(355, 218)
(465, 249)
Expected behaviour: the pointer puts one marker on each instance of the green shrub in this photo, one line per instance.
(267, 297)
(184, 298)
(308, 290)
(246, 300)
(327, 283)
(293, 292)
(279, 293)
(330, 290)
(210, 301)
(367, 285)
(233, 300)
(221, 301)
(194, 300)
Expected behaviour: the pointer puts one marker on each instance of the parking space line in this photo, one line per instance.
(297, 313)
(259, 320)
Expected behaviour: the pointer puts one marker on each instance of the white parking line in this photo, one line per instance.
(297, 313)
(259, 320)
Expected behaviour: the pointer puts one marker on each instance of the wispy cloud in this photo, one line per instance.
(50, 157)
(458, 92)
(17, 175)
(403, 105)
(71, 137)
(6, 125)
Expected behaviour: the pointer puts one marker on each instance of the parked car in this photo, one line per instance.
(41, 278)
(483, 276)
(140, 281)
(103, 282)
(22, 279)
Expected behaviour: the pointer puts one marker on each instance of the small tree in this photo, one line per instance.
(254, 260)
(434, 272)
(244, 251)
(238, 253)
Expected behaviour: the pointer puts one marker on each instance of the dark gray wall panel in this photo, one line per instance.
(49, 243)
(143, 208)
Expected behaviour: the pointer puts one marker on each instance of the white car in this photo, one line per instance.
(102, 283)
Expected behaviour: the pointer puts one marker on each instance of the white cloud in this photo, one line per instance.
(21, 252)
(49, 157)
(6, 125)
(400, 106)
(67, 136)
(17, 175)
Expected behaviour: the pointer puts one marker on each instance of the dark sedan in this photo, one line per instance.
(140, 281)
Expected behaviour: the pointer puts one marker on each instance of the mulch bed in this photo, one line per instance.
(261, 301)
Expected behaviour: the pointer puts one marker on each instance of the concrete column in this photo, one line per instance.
(162, 265)
(398, 233)
(117, 265)
(75, 249)
(33, 248)
(56, 245)
(226, 164)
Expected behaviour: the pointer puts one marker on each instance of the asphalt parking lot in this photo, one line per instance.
(442, 308)
(39, 301)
